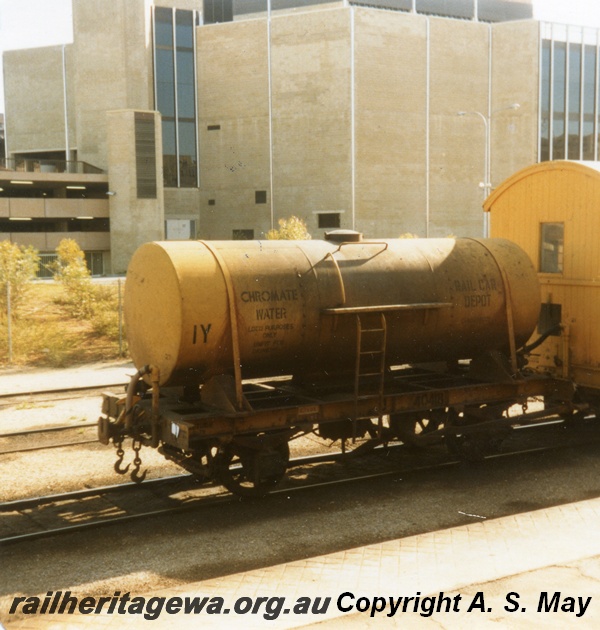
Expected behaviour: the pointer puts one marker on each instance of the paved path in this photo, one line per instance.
(502, 568)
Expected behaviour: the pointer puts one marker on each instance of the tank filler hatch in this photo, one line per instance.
(344, 236)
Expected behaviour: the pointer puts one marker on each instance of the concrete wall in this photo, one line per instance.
(311, 86)
(319, 59)
(390, 105)
(34, 99)
(514, 132)
(133, 221)
(459, 82)
(52, 208)
(49, 241)
(310, 100)
(233, 111)
(113, 49)
(182, 203)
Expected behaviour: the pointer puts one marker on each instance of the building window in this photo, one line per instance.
(175, 93)
(215, 11)
(260, 196)
(545, 100)
(573, 149)
(93, 260)
(569, 95)
(242, 235)
(72, 224)
(46, 262)
(95, 263)
(551, 247)
(589, 102)
(559, 99)
(329, 219)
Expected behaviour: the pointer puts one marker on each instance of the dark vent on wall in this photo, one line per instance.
(145, 155)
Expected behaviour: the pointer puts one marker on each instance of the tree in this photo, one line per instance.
(292, 229)
(18, 266)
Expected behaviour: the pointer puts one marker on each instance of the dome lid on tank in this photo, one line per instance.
(344, 236)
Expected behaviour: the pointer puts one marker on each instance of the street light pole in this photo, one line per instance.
(270, 95)
(486, 184)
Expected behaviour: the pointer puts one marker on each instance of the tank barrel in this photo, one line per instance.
(250, 309)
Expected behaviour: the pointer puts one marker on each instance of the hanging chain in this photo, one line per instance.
(137, 462)
(120, 456)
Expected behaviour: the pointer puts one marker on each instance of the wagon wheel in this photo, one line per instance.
(411, 427)
(250, 472)
(472, 446)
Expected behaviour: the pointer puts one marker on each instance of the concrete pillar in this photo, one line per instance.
(135, 182)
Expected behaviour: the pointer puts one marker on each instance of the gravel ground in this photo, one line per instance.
(67, 468)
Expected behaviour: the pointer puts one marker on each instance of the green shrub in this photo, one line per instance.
(18, 266)
(71, 271)
(292, 229)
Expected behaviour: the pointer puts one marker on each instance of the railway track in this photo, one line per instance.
(7, 440)
(70, 507)
(51, 395)
(11, 442)
(38, 517)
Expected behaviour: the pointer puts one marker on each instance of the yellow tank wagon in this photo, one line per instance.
(243, 346)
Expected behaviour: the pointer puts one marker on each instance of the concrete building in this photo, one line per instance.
(215, 119)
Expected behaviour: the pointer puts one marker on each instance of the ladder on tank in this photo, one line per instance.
(369, 375)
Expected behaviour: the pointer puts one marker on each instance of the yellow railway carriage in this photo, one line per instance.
(552, 210)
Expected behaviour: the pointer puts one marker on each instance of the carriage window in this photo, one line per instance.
(551, 247)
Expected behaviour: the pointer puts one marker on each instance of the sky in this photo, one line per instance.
(33, 23)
